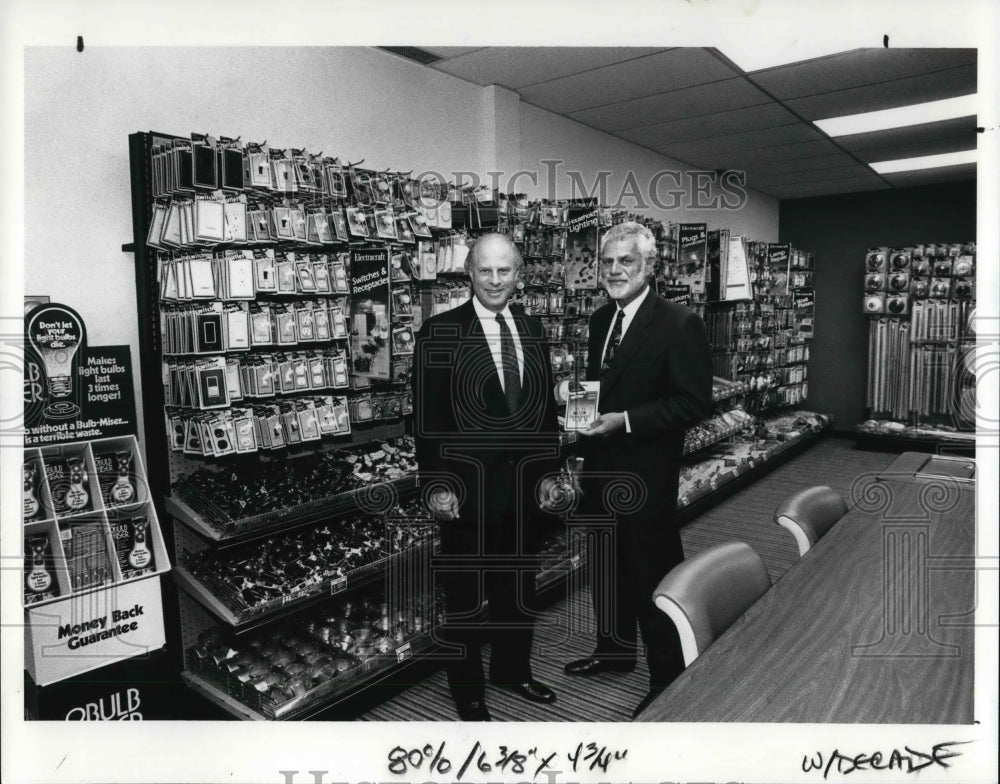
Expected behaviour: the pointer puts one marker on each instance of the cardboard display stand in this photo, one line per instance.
(93, 546)
(125, 690)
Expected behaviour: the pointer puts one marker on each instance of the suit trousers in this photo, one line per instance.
(627, 558)
(506, 622)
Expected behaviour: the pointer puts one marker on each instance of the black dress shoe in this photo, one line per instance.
(593, 665)
(531, 690)
(646, 702)
(473, 710)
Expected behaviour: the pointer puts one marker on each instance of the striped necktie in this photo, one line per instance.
(508, 359)
(613, 342)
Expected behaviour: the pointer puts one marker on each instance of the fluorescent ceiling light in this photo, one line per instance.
(916, 114)
(753, 56)
(925, 162)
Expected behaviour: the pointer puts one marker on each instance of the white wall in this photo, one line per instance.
(356, 103)
(548, 136)
(80, 108)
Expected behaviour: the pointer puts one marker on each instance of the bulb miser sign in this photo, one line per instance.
(73, 391)
(57, 333)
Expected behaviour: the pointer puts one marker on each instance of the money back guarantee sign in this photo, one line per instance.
(72, 637)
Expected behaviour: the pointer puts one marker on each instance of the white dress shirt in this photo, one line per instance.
(630, 310)
(488, 320)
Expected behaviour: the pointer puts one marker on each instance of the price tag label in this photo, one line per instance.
(337, 585)
(65, 534)
(575, 561)
(403, 652)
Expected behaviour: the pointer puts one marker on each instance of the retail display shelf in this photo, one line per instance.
(713, 474)
(361, 433)
(190, 507)
(377, 668)
(217, 695)
(888, 435)
(311, 345)
(719, 394)
(694, 443)
(551, 576)
(244, 702)
(232, 611)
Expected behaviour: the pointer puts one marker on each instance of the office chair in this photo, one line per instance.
(809, 514)
(705, 594)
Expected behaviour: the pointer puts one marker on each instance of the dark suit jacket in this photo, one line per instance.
(662, 376)
(466, 436)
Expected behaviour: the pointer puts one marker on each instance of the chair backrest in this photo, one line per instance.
(809, 514)
(706, 593)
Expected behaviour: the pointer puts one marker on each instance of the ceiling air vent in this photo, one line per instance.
(414, 53)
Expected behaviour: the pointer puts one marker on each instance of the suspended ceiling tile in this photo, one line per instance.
(965, 171)
(764, 181)
(708, 126)
(656, 73)
(738, 159)
(857, 68)
(859, 177)
(451, 51)
(675, 105)
(897, 152)
(799, 165)
(913, 141)
(748, 140)
(960, 127)
(887, 95)
(518, 66)
(826, 188)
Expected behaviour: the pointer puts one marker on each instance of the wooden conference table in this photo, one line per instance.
(872, 625)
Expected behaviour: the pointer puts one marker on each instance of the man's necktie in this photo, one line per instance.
(613, 342)
(508, 359)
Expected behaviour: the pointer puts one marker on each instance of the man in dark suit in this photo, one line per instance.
(654, 363)
(486, 436)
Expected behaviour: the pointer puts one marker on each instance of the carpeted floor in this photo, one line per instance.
(565, 632)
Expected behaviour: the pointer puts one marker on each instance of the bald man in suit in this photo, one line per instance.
(486, 437)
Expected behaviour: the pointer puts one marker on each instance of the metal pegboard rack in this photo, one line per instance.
(185, 618)
(158, 461)
(187, 540)
(194, 619)
(182, 465)
(167, 466)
